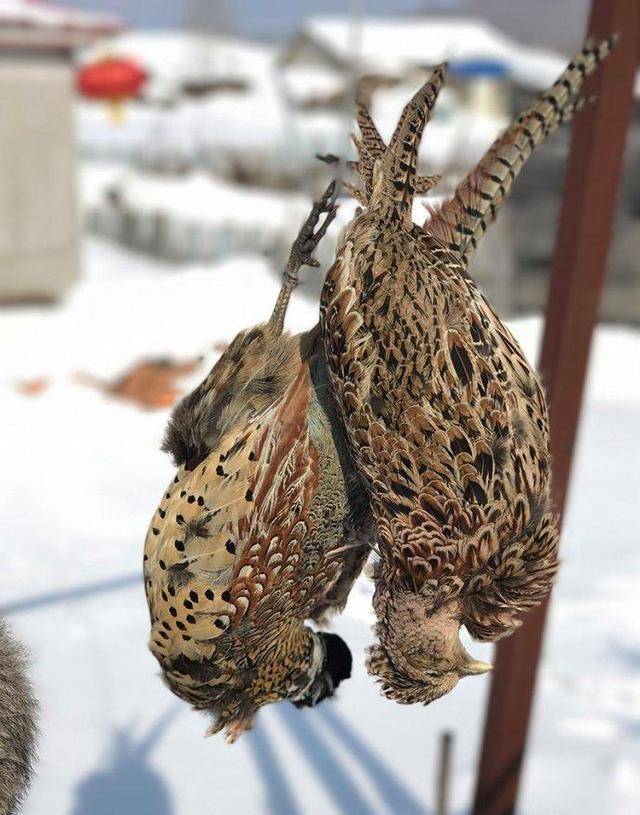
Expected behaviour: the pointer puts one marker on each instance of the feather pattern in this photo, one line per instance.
(460, 222)
(236, 553)
(398, 160)
(241, 550)
(445, 418)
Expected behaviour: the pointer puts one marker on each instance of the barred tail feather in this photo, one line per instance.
(394, 184)
(389, 173)
(460, 222)
(371, 138)
(368, 153)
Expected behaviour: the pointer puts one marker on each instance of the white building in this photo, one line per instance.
(38, 214)
(336, 47)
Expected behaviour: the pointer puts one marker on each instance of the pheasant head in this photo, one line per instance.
(419, 656)
(303, 667)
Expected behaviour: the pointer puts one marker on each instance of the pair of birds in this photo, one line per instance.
(407, 421)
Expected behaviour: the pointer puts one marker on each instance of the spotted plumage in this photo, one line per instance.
(263, 527)
(445, 418)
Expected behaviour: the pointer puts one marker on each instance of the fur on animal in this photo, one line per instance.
(18, 723)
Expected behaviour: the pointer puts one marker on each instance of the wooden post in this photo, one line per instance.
(582, 245)
(443, 773)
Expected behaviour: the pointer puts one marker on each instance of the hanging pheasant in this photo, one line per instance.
(445, 418)
(263, 527)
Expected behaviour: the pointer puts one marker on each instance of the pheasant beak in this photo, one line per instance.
(474, 666)
(468, 666)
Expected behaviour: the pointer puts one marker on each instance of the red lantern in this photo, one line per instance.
(113, 80)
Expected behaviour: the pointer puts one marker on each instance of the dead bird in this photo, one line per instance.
(263, 527)
(445, 418)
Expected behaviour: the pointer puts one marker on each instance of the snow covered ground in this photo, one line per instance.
(82, 474)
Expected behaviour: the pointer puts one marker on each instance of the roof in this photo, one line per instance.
(393, 44)
(174, 57)
(40, 23)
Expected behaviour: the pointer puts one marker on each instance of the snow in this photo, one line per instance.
(191, 216)
(180, 53)
(393, 45)
(94, 180)
(50, 15)
(247, 119)
(305, 82)
(174, 57)
(82, 476)
(200, 197)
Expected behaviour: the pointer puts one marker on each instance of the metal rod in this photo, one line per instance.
(584, 237)
(444, 773)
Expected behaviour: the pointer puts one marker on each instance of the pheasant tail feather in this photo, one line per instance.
(394, 183)
(461, 221)
(395, 166)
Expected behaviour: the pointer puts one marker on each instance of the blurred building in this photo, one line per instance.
(38, 213)
(390, 57)
(337, 48)
(256, 115)
(186, 64)
(210, 101)
(546, 23)
(491, 78)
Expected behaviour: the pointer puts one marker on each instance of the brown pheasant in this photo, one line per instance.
(263, 527)
(445, 418)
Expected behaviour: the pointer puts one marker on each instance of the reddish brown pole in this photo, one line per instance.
(582, 245)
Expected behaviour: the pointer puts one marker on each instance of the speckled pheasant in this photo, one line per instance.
(262, 528)
(445, 418)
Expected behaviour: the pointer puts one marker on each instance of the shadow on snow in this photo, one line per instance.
(318, 749)
(127, 784)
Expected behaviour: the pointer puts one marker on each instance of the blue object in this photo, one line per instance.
(473, 68)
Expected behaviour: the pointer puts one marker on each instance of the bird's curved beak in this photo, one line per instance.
(475, 666)
(470, 666)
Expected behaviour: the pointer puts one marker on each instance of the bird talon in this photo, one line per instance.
(304, 245)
